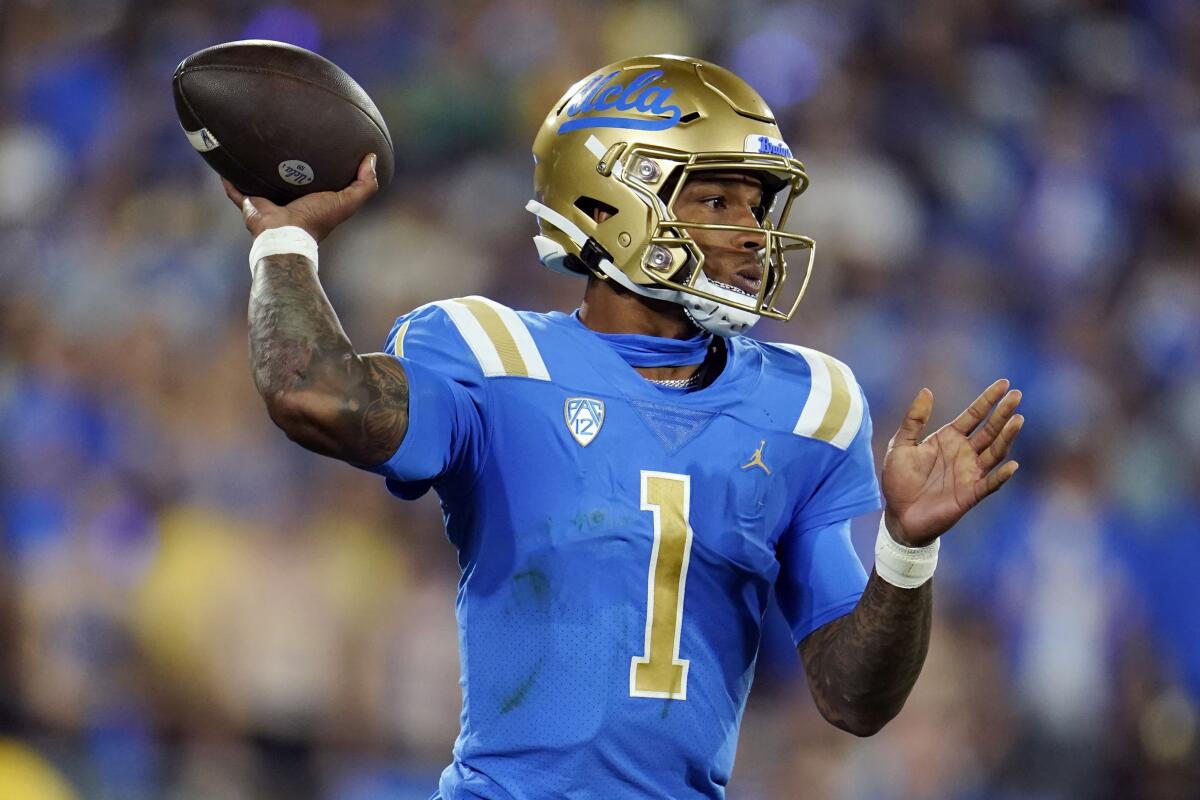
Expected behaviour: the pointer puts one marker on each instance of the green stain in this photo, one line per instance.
(532, 586)
(589, 519)
(518, 695)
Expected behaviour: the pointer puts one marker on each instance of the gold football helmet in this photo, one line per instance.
(625, 140)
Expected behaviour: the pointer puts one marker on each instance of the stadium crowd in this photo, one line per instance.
(193, 607)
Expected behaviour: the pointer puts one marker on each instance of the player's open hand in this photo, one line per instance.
(928, 484)
(318, 213)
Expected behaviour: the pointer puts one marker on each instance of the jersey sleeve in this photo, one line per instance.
(446, 440)
(820, 577)
(849, 486)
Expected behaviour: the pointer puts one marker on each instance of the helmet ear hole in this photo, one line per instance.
(590, 205)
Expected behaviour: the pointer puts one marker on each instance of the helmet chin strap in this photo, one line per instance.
(720, 319)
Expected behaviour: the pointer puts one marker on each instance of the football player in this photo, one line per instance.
(626, 484)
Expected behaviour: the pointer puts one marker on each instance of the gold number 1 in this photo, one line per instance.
(659, 672)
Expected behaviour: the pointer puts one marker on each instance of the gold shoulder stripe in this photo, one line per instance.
(501, 343)
(398, 344)
(833, 409)
(502, 340)
(839, 403)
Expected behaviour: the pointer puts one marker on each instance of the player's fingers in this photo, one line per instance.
(915, 419)
(997, 451)
(366, 169)
(995, 480)
(983, 437)
(365, 184)
(232, 193)
(249, 210)
(254, 210)
(978, 410)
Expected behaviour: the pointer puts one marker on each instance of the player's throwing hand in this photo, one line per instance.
(318, 213)
(928, 484)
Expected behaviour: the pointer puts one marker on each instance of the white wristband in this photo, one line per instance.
(906, 567)
(277, 241)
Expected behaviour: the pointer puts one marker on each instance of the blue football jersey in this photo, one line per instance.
(618, 543)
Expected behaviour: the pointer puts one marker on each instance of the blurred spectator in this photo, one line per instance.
(191, 607)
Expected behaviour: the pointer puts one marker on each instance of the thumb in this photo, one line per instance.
(366, 183)
(914, 421)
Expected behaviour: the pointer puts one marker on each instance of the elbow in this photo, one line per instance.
(306, 417)
(286, 410)
(315, 398)
(861, 726)
(858, 719)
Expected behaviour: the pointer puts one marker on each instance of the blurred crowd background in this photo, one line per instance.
(191, 607)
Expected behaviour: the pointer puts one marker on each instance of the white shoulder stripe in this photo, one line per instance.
(528, 349)
(818, 395)
(500, 341)
(482, 346)
(833, 410)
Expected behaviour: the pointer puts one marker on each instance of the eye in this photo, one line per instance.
(715, 202)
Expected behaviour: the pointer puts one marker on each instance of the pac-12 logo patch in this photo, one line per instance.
(584, 417)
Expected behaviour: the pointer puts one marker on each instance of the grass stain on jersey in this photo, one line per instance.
(589, 519)
(532, 585)
(519, 694)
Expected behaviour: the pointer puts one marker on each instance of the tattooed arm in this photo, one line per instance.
(862, 666)
(322, 393)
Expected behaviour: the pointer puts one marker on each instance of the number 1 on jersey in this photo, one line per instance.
(659, 672)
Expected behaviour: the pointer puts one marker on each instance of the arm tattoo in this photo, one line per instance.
(862, 666)
(317, 388)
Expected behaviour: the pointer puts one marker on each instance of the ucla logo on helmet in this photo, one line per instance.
(602, 93)
(584, 416)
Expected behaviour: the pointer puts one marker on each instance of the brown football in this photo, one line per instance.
(277, 120)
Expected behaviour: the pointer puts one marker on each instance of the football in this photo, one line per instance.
(278, 121)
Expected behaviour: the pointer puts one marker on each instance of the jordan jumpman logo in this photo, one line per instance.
(756, 459)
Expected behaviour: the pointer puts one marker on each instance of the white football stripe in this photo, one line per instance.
(202, 140)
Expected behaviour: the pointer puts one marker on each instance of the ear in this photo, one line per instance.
(599, 214)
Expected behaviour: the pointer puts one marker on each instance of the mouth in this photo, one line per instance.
(748, 280)
(746, 285)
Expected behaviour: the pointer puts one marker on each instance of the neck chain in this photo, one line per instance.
(680, 383)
